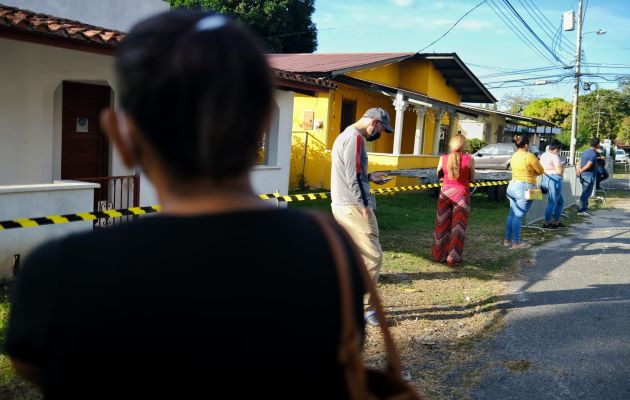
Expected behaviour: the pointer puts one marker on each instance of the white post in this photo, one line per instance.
(400, 105)
(420, 111)
(437, 114)
(452, 124)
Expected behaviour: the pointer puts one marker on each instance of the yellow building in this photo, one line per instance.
(422, 93)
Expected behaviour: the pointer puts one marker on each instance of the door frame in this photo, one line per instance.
(58, 127)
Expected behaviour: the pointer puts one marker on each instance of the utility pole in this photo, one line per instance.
(599, 111)
(576, 87)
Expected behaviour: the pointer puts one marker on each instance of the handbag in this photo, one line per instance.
(362, 383)
(533, 194)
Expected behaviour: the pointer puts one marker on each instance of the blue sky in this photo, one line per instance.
(483, 40)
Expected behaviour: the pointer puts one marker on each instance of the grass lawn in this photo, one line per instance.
(436, 312)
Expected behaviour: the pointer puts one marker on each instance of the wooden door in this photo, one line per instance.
(84, 147)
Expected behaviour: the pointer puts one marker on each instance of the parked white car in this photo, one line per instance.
(498, 155)
(621, 156)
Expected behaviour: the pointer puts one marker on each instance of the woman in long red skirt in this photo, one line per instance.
(453, 207)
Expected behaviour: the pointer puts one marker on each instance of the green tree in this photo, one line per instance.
(604, 108)
(285, 26)
(583, 137)
(554, 110)
(624, 131)
(475, 144)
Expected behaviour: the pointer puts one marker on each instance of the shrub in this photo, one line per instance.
(475, 144)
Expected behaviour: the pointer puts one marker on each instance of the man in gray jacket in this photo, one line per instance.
(352, 203)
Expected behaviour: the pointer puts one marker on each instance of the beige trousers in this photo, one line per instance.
(365, 235)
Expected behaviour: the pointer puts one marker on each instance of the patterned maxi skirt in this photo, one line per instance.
(453, 208)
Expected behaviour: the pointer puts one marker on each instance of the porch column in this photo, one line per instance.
(400, 105)
(420, 111)
(437, 114)
(452, 124)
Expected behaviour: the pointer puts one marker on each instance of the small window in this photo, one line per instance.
(348, 113)
(505, 150)
(489, 150)
(267, 151)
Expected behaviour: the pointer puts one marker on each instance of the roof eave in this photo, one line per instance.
(47, 39)
(343, 71)
(467, 71)
(392, 91)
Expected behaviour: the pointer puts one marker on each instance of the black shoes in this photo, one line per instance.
(554, 226)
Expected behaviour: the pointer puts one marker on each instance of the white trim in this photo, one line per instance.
(267, 167)
(47, 187)
(402, 155)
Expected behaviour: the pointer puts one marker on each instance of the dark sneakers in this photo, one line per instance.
(554, 226)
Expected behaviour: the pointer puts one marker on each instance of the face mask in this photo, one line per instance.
(373, 137)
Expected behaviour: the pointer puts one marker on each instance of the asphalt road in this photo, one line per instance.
(567, 332)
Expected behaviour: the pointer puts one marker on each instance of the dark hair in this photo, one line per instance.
(555, 144)
(521, 140)
(594, 142)
(200, 91)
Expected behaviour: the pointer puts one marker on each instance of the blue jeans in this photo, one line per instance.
(587, 181)
(555, 199)
(518, 209)
(602, 175)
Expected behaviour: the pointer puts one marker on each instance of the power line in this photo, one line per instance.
(545, 27)
(451, 28)
(520, 18)
(570, 45)
(512, 26)
(527, 79)
(518, 72)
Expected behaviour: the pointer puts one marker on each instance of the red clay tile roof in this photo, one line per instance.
(15, 19)
(326, 62)
(25, 21)
(290, 76)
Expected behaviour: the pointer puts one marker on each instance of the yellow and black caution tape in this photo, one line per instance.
(326, 195)
(295, 197)
(85, 216)
(123, 212)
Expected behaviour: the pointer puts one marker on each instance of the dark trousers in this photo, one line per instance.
(587, 180)
(602, 175)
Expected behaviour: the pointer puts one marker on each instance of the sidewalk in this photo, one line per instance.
(567, 327)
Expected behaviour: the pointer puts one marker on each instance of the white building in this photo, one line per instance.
(495, 126)
(56, 75)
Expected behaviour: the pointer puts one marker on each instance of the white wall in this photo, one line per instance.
(31, 201)
(275, 177)
(113, 14)
(471, 129)
(31, 76)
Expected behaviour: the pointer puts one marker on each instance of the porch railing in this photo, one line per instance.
(115, 192)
